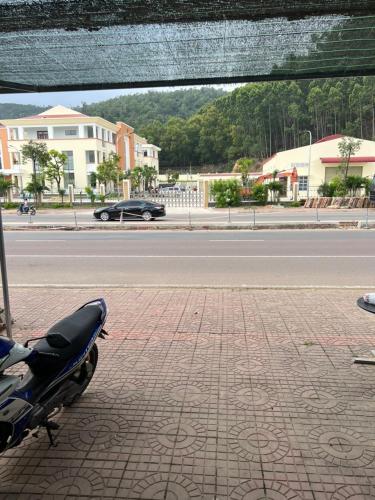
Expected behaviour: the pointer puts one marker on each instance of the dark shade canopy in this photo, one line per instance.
(91, 44)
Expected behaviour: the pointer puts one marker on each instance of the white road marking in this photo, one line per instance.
(38, 241)
(109, 256)
(240, 241)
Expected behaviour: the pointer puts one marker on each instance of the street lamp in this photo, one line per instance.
(309, 167)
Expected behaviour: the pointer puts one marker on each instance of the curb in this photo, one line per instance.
(197, 227)
(184, 287)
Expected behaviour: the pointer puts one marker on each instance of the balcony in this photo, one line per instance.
(90, 167)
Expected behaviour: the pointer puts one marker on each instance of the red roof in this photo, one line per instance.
(329, 138)
(353, 159)
(53, 116)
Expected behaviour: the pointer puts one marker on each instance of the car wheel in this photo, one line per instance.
(104, 216)
(147, 215)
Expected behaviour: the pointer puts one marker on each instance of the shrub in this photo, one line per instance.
(295, 204)
(326, 190)
(10, 205)
(260, 193)
(226, 193)
(90, 193)
(338, 186)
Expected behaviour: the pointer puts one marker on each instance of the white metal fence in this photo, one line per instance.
(173, 199)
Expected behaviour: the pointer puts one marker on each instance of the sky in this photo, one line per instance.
(71, 99)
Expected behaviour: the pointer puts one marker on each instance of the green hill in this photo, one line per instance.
(139, 110)
(9, 110)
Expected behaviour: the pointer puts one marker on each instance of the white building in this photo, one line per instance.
(323, 160)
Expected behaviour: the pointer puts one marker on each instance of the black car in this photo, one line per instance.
(135, 209)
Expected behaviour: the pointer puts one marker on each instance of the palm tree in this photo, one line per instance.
(5, 185)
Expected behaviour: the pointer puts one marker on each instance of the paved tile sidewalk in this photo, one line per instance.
(209, 394)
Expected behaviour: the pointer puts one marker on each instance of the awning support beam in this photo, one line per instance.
(4, 279)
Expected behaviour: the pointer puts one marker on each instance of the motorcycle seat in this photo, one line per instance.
(66, 339)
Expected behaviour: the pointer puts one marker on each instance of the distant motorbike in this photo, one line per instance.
(61, 366)
(26, 210)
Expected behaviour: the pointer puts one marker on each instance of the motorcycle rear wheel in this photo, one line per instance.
(84, 374)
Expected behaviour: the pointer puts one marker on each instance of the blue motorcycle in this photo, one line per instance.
(60, 367)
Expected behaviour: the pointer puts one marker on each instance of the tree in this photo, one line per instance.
(62, 193)
(149, 175)
(243, 166)
(172, 176)
(275, 188)
(109, 170)
(5, 185)
(37, 187)
(37, 153)
(53, 167)
(347, 147)
(136, 176)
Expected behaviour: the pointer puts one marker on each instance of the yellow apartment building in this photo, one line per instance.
(85, 140)
(145, 153)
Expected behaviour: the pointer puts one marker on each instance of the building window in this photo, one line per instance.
(13, 134)
(69, 169)
(98, 155)
(71, 131)
(90, 131)
(90, 156)
(42, 134)
(144, 153)
(113, 138)
(302, 182)
(16, 158)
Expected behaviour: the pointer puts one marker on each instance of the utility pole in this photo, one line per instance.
(309, 167)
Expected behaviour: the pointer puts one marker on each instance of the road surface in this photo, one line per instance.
(233, 258)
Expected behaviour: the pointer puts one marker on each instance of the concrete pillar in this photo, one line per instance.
(50, 132)
(206, 193)
(101, 189)
(295, 191)
(126, 189)
(71, 193)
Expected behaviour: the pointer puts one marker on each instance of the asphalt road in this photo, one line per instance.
(201, 216)
(233, 258)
